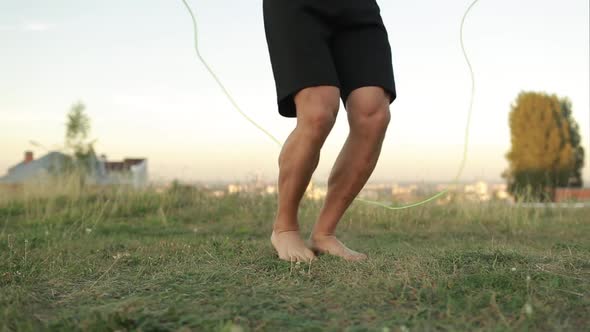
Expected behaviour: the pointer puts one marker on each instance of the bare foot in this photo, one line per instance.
(329, 244)
(291, 247)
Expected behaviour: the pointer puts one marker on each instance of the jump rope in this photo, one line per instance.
(390, 207)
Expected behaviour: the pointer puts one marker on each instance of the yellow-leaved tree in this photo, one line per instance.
(546, 150)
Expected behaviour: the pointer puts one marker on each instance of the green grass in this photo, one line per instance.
(184, 260)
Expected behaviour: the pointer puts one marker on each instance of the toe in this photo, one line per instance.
(300, 257)
(309, 255)
(305, 255)
(294, 256)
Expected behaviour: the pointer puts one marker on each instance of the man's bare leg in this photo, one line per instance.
(317, 108)
(368, 117)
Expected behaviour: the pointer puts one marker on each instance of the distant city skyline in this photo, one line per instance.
(147, 95)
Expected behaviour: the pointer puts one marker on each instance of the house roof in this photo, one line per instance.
(23, 171)
(55, 160)
(122, 165)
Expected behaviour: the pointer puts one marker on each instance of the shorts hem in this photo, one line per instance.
(386, 87)
(286, 104)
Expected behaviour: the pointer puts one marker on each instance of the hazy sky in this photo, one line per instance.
(132, 64)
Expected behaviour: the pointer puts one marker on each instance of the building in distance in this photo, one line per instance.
(129, 171)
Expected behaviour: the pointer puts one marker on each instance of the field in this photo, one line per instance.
(184, 260)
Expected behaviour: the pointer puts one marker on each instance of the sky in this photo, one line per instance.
(133, 65)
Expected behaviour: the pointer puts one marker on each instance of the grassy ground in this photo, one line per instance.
(184, 260)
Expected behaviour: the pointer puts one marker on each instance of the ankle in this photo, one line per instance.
(283, 227)
(318, 235)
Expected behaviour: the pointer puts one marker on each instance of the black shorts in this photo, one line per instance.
(340, 43)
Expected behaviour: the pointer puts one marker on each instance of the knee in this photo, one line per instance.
(319, 123)
(317, 108)
(369, 114)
